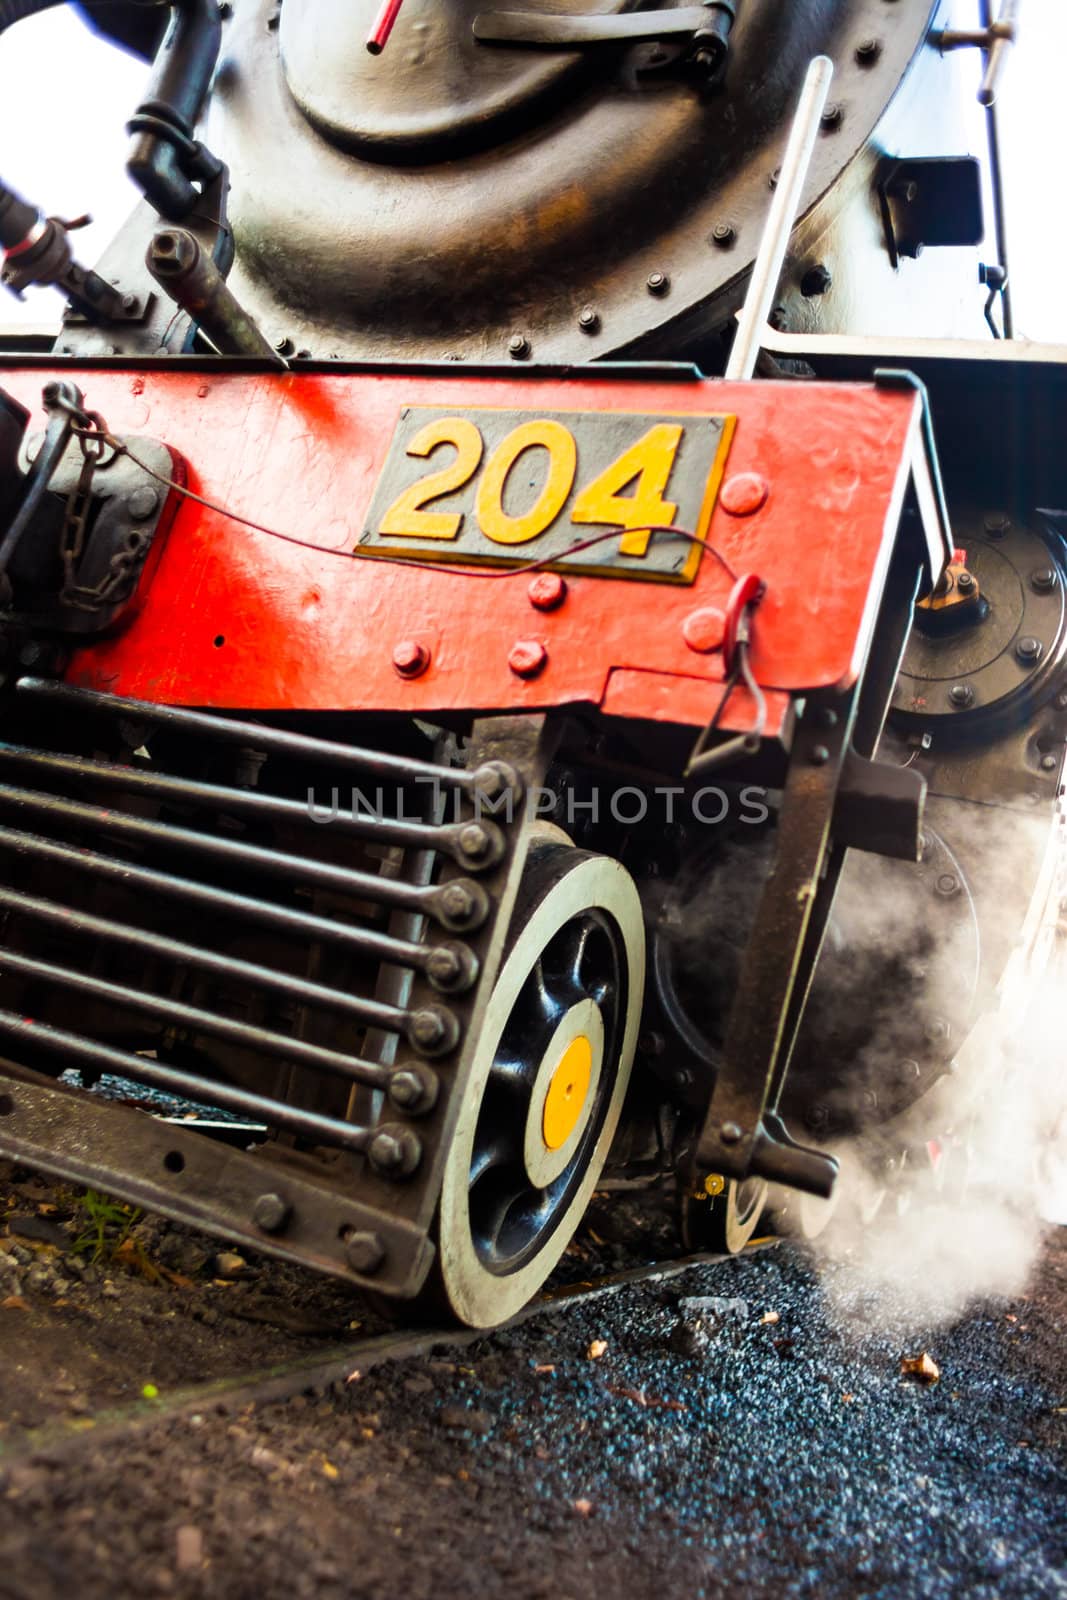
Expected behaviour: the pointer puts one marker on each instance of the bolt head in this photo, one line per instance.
(547, 591)
(364, 1252)
(142, 503)
(427, 1029)
(443, 965)
(947, 884)
(394, 1152)
(965, 582)
(527, 657)
(997, 524)
(833, 116)
(588, 319)
(868, 51)
(820, 756)
(457, 902)
(723, 235)
(657, 283)
(518, 347)
(1028, 648)
(473, 840)
(1049, 763)
(413, 1089)
(271, 1212)
(730, 1133)
(961, 695)
(1043, 579)
(410, 658)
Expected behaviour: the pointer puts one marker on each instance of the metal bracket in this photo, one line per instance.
(932, 201)
(705, 28)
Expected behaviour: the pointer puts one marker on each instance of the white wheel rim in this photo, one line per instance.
(478, 1296)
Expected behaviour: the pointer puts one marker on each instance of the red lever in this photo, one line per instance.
(746, 593)
(378, 37)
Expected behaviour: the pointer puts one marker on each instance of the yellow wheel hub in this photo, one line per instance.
(567, 1093)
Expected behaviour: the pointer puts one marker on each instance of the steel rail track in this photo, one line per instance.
(222, 1396)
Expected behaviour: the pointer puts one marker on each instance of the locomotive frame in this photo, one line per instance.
(433, 999)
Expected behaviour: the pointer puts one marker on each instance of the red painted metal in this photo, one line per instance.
(382, 26)
(235, 618)
(743, 493)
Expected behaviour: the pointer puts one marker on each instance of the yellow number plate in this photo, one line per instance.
(506, 488)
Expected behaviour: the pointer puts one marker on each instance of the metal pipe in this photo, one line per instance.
(767, 268)
(70, 921)
(176, 1014)
(165, 157)
(194, 282)
(233, 853)
(75, 1049)
(260, 736)
(135, 780)
(996, 179)
(302, 925)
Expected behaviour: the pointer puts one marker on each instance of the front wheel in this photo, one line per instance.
(547, 1083)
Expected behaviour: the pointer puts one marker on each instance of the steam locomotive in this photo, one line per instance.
(457, 719)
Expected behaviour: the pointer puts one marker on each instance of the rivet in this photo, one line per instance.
(473, 841)
(364, 1252)
(518, 347)
(868, 51)
(730, 1133)
(410, 658)
(547, 591)
(947, 884)
(703, 630)
(657, 283)
(142, 503)
(271, 1212)
(961, 695)
(588, 319)
(744, 493)
(527, 657)
(723, 235)
(1049, 763)
(820, 755)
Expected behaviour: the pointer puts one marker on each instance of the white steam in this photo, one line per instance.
(986, 1149)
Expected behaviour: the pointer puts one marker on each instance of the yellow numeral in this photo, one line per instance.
(405, 516)
(493, 520)
(649, 461)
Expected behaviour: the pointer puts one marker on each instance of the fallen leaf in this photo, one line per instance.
(545, 1367)
(923, 1367)
(354, 1376)
(14, 1302)
(650, 1401)
(178, 1279)
(769, 1316)
(328, 1468)
(584, 1508)
(597, 1349)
